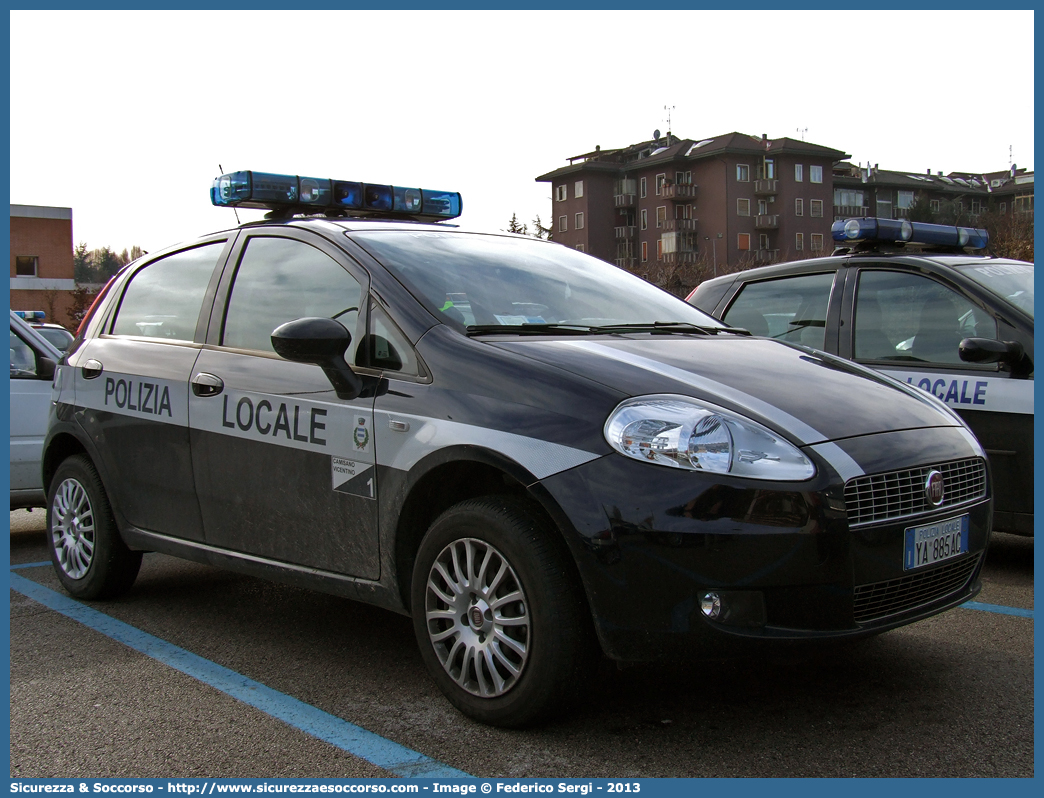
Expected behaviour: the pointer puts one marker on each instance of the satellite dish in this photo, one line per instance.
(656, 135)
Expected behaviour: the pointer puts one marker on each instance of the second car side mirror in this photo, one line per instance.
(988, 350)
(45, 368)
(322, 342)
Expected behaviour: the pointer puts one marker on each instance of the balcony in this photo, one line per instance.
(767, 222)
(626, 263)
(625, 232)
(847, 211)
(679, 224)
(673, 191)
(765, 187)
(686, 256)
(766, 255)
(623, 200)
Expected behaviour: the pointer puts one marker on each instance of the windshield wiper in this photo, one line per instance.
(531, 329)
(667, 327)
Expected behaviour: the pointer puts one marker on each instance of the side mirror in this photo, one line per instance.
(45, 368)
(322, 342)
(988, 350)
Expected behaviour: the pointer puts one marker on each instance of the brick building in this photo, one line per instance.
(730, 199)
(42, 261)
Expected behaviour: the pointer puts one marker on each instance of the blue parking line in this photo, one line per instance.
(978, 605)
(340, 733)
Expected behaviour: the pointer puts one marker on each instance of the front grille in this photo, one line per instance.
(881, 599)
(900, 494)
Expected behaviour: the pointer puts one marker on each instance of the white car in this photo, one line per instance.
(33, 361)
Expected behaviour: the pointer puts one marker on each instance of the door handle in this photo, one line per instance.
(204, 384)
(91, 369)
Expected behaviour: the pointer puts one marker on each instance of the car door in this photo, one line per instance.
(909, 325)
(284, 468)
(30, 407)
(131, 382)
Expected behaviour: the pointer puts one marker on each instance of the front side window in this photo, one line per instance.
(163, 299)
(901, 316)
(790, 309)
(280, 280)
(23, 359)
(815, 174)
(1010, 280)
(742, 173)
(386, 348)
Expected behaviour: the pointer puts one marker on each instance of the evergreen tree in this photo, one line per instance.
(539, 230)
(515, 227)
(83, 265)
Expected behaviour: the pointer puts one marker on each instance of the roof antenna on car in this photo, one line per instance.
(221, 171)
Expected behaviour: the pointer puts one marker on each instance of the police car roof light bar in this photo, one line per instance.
(31, 315)
(901, 231)
(289, 194)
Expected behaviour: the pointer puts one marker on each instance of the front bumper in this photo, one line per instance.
(650, 542)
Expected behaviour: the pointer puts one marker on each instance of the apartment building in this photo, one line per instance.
(871, 191)
(730, 199)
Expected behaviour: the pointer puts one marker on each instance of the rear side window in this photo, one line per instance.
(280, 280)
(789, 309)
(164, 298)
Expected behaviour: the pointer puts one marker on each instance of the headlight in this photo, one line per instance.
(681, 432)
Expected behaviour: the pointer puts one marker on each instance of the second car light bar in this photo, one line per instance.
(854, 231)
(317, 195)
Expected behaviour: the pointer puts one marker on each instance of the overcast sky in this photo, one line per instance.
(125, 116)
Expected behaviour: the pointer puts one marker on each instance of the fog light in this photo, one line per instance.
(710, 605)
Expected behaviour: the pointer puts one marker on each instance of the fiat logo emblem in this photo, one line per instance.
(476, 617)
(933, 488)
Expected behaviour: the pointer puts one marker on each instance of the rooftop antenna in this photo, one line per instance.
(221, 171)
(668, 109)
(802, 131)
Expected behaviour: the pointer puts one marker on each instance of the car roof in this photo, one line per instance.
(811, 265)
(32, 335)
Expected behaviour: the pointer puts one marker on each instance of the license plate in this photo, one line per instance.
(932, 543)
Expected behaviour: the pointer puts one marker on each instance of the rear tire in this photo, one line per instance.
(499, 614)
(88, 554)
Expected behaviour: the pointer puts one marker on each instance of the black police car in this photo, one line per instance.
(957, 325)
(533, 453)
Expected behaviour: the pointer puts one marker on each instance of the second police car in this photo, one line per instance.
(534, 454)
(918, 302)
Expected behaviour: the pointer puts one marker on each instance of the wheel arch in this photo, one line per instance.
(455, 474)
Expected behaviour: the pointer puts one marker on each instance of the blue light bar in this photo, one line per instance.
(294, 193)
(31, 315)
(854, 231)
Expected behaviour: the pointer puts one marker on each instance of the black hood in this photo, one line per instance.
(808, 396)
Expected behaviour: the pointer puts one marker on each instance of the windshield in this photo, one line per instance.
(483, 280)
(1012, 280)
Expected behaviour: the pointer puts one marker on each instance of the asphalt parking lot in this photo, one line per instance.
(951, 696)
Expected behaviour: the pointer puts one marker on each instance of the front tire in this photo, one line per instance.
(88, 554)
(498, 612)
